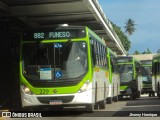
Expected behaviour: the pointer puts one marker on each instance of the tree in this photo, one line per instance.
(158, 51)
(147, 51)
(136, 52)
(130, 26)
(124, 39)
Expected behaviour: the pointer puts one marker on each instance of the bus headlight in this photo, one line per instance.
(84, 87)
(27, 90)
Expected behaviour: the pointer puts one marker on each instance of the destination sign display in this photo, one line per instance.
(55, 34)
(122, 60)
(147, 62)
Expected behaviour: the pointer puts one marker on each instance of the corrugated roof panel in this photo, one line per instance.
(52, 13)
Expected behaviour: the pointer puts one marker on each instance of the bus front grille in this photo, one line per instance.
(64, 99)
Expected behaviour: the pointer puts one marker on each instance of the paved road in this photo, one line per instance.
(143, 107)
(144, 103)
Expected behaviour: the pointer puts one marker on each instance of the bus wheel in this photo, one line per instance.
(109, 100)
(133, 97)
(96, 106)
(139, 94)
(89, 108)
(102, 104)
(115, 98)
(158, 93)
(96, 103)
(120, 97)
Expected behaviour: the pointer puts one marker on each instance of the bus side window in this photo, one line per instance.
(156, 68)
(115, 65)
(93, 55)
(112, 65)
(138, 71)
(153, 68)
(106, 59)
(98, 53)
(157, 65)
(93, 51)
(112, 62)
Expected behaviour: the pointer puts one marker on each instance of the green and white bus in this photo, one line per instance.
(156, 74)
(147, 78)
(130, 78)
(65, 67)
(114, 77)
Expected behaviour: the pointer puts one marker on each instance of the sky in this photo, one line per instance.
(145, 13)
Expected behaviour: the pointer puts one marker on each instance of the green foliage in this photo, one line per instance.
(124, 39)
(130, 26)
(147, 51)
(158, 51)
(136, 52)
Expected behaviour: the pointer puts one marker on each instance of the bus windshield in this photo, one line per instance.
(126, 72)
(146, 73)
(148, 69)
(54, 61)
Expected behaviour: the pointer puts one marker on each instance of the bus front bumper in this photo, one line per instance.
(57, 99)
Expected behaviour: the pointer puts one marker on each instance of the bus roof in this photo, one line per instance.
(112, 52)
(96, 36)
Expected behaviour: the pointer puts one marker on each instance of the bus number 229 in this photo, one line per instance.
(44, 91)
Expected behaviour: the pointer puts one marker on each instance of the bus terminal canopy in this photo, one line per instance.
(53, 13)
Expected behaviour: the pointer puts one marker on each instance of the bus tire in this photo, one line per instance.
(96, 103)
(89, 108)
(139, 94)
(158, 91)
(132, 96)
(115, 98)
(120, 97)
(96, 106)
(102, 104)
(109, 100)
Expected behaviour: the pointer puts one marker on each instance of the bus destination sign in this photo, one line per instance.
(52, 35)
(123, 59)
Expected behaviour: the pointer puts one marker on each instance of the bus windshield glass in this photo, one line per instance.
(148, 69)
(54, 61)
(126, 72)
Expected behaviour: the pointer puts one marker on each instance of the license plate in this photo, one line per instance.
(55, 102)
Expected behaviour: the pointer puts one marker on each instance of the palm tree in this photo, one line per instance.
(136, 52)
(130, 26)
